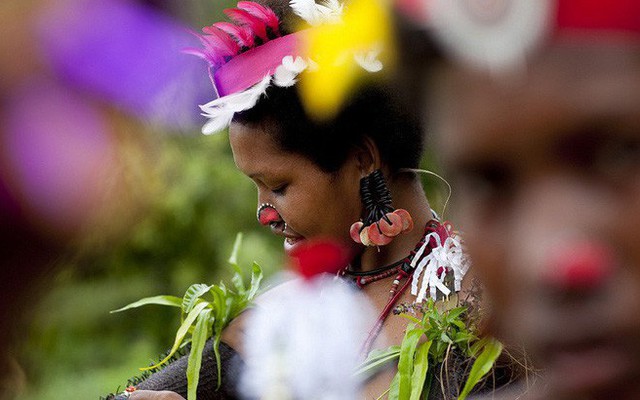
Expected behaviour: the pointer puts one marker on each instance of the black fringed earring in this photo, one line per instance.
(381, 223)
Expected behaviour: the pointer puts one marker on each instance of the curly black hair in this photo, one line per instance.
(374, 110)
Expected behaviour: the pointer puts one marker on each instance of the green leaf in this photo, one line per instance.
(377, 358)
(256, 278)
(475, 349)
(198, 340)
(410, 318)
(420, 368)
(216, 352)
(405, 364)
(238, 283)
(394, 389)
(192, 295)
(481, 366)
(182, 331)
(233, 258)
(171, 301)
(455, 313)
(219, 303)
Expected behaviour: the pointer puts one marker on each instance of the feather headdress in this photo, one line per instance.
(249, 53)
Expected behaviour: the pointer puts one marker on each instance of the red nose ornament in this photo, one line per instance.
(267, 214)
(580, 266)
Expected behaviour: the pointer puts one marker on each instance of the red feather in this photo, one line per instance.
(264, 13)
(255, 24)
(241, 34)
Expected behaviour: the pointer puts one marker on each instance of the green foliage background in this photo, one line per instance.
(74, 348)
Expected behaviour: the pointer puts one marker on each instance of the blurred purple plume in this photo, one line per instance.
(128, 55)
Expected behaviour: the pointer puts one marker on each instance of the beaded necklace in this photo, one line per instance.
(403, 268)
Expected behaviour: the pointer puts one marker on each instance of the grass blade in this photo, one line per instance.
(171, 301)
(192, 295)
(420, 368)
(182, 331)
(405, 364)
(481, 366)
(198, 340)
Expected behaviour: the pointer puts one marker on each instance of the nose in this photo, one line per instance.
(578, 266)
(268, 216)
(560, 236)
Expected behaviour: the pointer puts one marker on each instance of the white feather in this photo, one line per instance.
(286, 73)
(369, 60)
(306, 9)
(329, 11)
(217, 123)
(304, 342)
(220, 111)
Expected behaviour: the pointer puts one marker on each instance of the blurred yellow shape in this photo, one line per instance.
(345, 53)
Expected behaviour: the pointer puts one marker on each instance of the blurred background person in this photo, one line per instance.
(537, 111)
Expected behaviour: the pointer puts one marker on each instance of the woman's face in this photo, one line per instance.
(312, 203)
(543, 167)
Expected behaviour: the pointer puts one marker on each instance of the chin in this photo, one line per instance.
(291, 243)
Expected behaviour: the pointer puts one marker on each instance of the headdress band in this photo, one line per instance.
(247, 69)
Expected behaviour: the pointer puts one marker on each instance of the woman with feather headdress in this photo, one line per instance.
(345, 174)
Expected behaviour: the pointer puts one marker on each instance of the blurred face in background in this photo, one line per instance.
(546, 166)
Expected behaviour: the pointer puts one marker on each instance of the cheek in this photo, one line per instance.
(627, 231)
(487, 255)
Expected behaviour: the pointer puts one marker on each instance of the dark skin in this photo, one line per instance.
(554, 159)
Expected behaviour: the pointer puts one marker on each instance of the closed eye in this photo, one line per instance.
(280, 190)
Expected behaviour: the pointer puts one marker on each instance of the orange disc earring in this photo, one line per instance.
(381, 223)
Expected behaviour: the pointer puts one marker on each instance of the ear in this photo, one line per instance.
(368, 156)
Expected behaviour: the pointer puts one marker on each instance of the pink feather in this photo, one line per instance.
(206, 53)
(201, 54)
(264, 13)
(241, 34)
(255, 24)
(219, 41)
